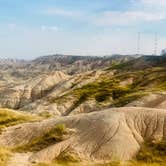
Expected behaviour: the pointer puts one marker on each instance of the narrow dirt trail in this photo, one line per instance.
(19, 159)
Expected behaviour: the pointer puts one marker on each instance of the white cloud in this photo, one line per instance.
(134, 15)
(60, 12)
(150, 5)
(49, 28)
(140, 11)
(127, 17)
(154, 3)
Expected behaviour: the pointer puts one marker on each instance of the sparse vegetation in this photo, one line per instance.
(150, 154)
(67, 157)
(52, 136)
(45, 114)
(101, 91)
(119, 66)
(77, 163)
(10, 118)
(153, 153)
(4, 156)
(103, 96)
(122, 101)
(105, 89)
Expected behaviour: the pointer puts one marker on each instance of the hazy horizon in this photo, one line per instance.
(31, 29)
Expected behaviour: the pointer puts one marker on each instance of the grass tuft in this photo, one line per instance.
(4, 156)
(51, 137)
(10, 118)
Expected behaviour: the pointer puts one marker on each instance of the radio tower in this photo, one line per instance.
(138, 43)
(155, 44)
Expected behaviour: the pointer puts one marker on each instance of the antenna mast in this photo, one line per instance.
(155, 44)
(138, 43)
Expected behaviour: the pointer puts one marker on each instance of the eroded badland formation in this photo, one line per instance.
(83, 111)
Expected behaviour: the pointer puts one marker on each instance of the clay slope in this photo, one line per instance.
(152, 100)
(51, 92)
(62, 101)
(19, 95)
(60, 94)
(113, 134)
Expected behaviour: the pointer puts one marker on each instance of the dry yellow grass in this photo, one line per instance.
(9, 118)
(4, 156)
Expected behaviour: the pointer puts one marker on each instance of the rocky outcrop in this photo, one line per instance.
(17, 96)
(60, 100)
(108, 135)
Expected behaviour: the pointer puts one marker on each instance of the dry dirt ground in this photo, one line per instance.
(19, 159)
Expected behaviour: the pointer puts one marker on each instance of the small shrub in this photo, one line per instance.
(152, 153)
(122, 101)
(119, 92)
(45, 114)
(98, 90)
(119, 66)
(67, 156)
(103, 96)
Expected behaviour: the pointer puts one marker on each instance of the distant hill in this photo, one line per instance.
(13, 70)
(142, 62)
(76, 64)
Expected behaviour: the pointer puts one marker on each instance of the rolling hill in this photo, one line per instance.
(87, 111)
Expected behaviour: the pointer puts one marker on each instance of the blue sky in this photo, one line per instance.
(31, 28)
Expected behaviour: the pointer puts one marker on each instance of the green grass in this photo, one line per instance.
(101, 91)
(119, 66)
(107, 88)
(127, 99)
(50, 137)
(10, 118)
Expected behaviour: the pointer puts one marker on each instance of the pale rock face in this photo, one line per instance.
(108, 135)
(23, 94)
(124, 83)
(65, 104)
(86, 107)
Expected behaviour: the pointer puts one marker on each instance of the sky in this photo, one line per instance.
(32, 28)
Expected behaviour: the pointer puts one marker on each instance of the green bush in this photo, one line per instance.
(119, 92)
(103, 96)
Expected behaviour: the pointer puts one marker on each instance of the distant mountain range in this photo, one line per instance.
(66, 63)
